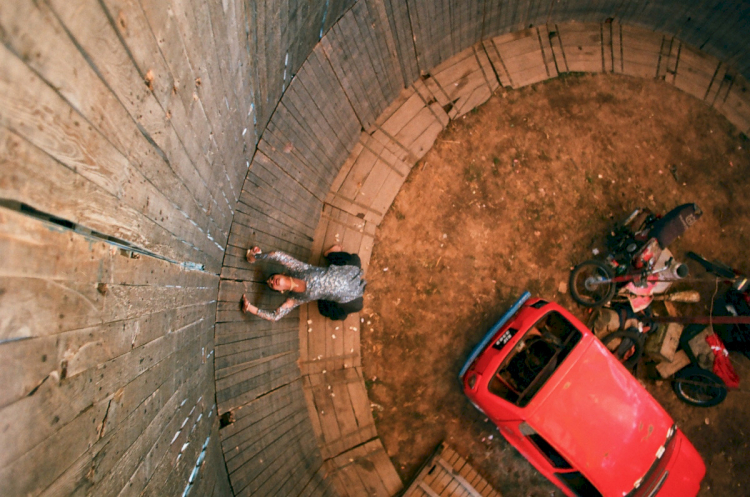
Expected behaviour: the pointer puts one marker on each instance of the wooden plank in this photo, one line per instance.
(639, 51)
(447, 473)
(185, 113)
(281, 424)
(243, 354)
(250, 419)
(254, 382)
(319, 81)
(68, 287)
(301, 124)
(372, 21)
(171, 27)
(77, 437)
(79, 350)
(34, 111)
(169, 31)
(342, 410)
(297, 162)
(498, 65)
(94, 33)
(225, 29)
(319, 485)
(583, 46)
(176, 466)
(362, 470)
(357, 77)
(734, 102)
(399, 23)
(461, 83)
(522, 60)
(41, 406)
(695, 73)
(35, 174)
(263, 214)
(258, 214)
(412, 124)
(289, 480)
(275, 454)
(200, 26)
(159, 441)
(283, 484)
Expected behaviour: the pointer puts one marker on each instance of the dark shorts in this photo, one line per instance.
(335, 310)
(344, 259)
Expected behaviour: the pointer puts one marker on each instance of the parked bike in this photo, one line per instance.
(638, 258)
(694, 385)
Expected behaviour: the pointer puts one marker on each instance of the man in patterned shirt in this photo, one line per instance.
(338, 288)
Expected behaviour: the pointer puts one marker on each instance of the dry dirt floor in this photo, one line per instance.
(511, 197)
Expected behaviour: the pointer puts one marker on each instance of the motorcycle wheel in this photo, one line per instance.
(591, 283)
(626, 346)
(698, 387)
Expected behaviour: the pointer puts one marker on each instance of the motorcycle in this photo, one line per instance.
(638, 259)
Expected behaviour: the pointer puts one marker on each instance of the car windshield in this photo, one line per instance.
(534, 358)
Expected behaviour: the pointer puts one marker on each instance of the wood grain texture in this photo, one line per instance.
(91, 386)
(34, 111)
(446, 473)
(364, 470)
(521, 58)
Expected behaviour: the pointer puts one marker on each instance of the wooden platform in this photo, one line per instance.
(448, 474)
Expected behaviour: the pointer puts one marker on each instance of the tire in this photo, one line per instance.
(590, 284)
(698, 387)
(626, 346)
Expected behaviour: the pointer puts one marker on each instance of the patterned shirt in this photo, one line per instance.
(334, 283)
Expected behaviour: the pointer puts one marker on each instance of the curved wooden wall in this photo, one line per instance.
(145, 145)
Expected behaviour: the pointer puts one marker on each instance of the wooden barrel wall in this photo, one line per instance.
(143, 146)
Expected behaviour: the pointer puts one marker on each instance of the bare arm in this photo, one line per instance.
(279, 313)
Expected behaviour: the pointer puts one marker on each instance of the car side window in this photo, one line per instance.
(554, 457)
(574, 480)
(578, 484)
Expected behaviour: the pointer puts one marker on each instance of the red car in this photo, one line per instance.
(561, 398)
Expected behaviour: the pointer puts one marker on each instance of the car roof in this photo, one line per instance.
(600, 418)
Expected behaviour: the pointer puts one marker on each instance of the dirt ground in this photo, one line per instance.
(509, 199)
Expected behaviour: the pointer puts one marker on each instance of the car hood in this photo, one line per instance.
(600, 418)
